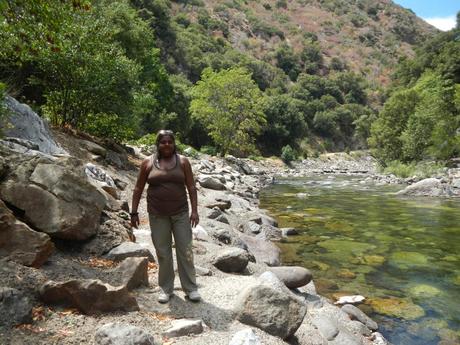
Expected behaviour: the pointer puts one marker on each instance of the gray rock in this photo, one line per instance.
(133, 272)
(55, 196)
(263, 251)
(184, 327)
(114, 231)
(223, 235)
(27, 144)
(123, 334)
(268, 220)
(232, 260)
(222, 219)
(26, 124)
(326, 325)
(222, 204)
(250, 227)
(129, 249)
(346, 338)
(307, 334)
(120, 184)
(270, 232)
(357, 327)
(202, 271)
(356, 314)
(270, 306)
(20, 243)
(289, 232)
(210, 183)
(93, 147)
(15, 307)
(426, 187)
(292, 276)
(245, 337)
(240, 165)
(214, 213)
(89, 296)
(101, 179)
(113, 158)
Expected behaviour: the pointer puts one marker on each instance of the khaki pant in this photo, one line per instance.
(179, 226)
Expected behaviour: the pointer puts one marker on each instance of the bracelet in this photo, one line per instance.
(134, 214)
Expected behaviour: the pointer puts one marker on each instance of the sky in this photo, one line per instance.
(439, 13)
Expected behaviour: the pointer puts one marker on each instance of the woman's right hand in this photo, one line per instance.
(135, 221)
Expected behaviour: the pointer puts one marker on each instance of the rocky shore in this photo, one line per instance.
(72, 270)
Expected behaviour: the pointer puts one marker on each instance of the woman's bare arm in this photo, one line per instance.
(191, 188)
(138, 189)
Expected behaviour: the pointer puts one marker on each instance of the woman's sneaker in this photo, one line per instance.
(194, 296)
(164, 297)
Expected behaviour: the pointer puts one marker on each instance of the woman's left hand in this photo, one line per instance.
(194, 219)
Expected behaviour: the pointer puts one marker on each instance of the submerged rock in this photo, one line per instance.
(396, 307)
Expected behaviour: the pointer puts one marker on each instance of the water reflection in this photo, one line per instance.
(358, 238)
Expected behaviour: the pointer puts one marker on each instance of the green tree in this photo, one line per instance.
(288, 61)
(386, 131)
(230, 105)
(286, 123)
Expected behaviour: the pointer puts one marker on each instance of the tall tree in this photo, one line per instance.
(230, 105)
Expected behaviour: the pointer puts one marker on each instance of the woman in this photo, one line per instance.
(167, 174)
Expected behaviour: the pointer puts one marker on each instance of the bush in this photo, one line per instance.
(209, 150)
(288, 154)
(421, 170)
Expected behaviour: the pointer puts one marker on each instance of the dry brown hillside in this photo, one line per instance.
(368, 36)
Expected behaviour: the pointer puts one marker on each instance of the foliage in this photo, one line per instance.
(229, 104)
(421, 118)
(96, 57)
(420, 169)
(284, 114)
(288, 154)
(209, 150)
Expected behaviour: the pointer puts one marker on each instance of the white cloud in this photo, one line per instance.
(442, 23)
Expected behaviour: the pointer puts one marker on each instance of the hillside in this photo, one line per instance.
(364, 36)
(239, 77)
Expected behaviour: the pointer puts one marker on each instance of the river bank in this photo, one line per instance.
(73, 266)
(233, 252)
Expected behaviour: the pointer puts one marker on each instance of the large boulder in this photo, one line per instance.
(271, 306)
(133, 272)
(114, 230)
(90, 296)
(263, 250)
(26, 124)
(426, 187)
(20, 243)
(292, 276)
(123, 334)
(53, 195)
(356, 314)
(184, 327)
(232, 260)
(129, 249)
(210, 182)
(15, 307)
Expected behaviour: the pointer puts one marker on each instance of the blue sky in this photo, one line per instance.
(439, 13)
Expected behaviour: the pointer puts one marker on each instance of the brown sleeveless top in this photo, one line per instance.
(166, 195)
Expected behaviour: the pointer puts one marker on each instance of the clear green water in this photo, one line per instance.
(402, 254)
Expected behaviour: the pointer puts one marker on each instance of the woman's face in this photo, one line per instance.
(166, 146)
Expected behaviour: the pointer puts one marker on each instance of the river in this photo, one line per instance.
(402, 254)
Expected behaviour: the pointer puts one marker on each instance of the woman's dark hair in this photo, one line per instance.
(164, 133)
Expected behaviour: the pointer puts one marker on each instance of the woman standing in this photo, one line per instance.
(167, 174)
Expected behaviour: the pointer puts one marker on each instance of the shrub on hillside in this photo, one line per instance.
(288, 154)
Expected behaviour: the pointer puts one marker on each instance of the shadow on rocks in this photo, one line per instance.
(178, 307)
